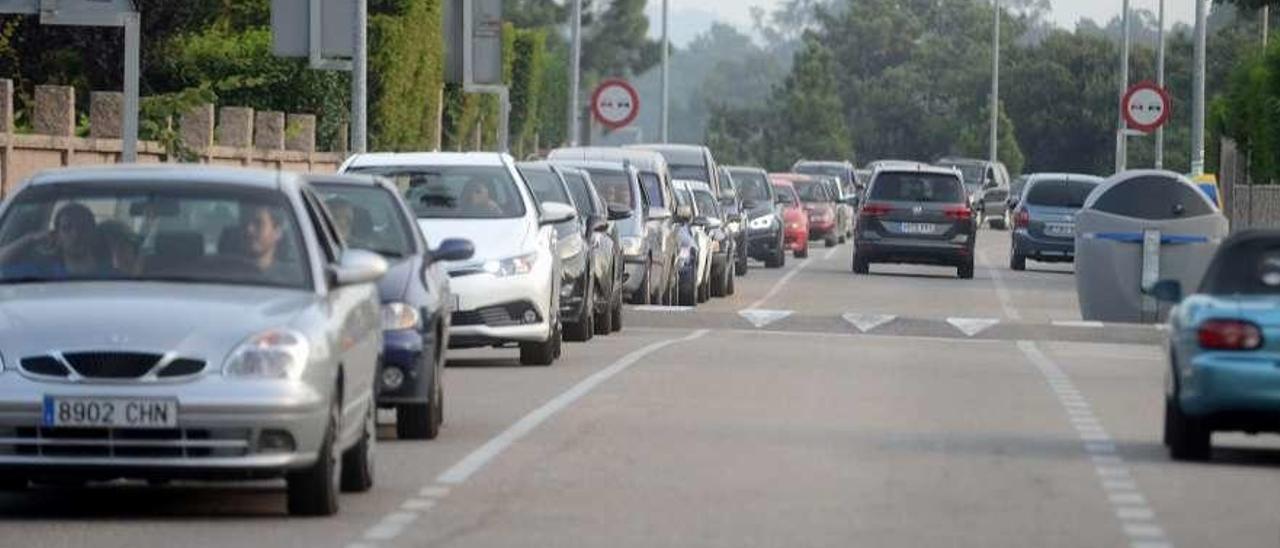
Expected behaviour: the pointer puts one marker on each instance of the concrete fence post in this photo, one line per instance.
(300, 133)
(55, 111)
(268, 131)
(197, 129)
(235, 127)
(106, 115)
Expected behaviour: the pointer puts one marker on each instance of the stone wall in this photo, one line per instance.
(236, 136)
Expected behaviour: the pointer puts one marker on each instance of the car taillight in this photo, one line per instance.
(876, 210)
(959, 213)
(1022, 219)
(1229, 335)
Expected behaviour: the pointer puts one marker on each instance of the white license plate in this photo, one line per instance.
(110, 412)
(1060, 229)
(917, 228)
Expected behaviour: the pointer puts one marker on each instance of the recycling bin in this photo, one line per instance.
(1137, 228)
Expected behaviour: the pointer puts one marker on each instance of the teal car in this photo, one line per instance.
(1224, 347)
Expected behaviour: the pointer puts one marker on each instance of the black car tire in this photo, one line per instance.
(604, 321)
(1017, 261)
(583, 329)
(802, 253)
(357, 462)
(720, 286)
(741, 265)
(615, 323)
(860, 264)
(646, 288)
(313, 491)
(730, 285)
(542, 353)
(965, 269)
(1188, 438)
(831, 241)
(704, 290)
(414, 421)
(842, 238)
(687, 297)
(778, 258)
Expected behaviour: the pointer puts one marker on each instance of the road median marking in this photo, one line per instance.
(972, 326)
(867, 322)
(761, 318)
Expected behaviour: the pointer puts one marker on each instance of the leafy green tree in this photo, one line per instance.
(616, 43)
(807, 110)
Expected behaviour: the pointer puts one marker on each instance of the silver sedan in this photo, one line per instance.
(166, 322)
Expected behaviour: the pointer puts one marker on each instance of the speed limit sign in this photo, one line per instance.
(1146, 107)
(615, 103)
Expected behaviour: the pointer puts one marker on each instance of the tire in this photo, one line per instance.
(414, 421)
(583, 329)
(1017, 262)
(704, 291)
(741, 265)
(842, 238)
(646, 288)
(541, 353)
(730, 286)
(358, 461)
(313, 491)
(802, 253)
(860, 264)
(1188, 438)
(830, 241)
(604, 322)
(616, 313)
(965, 269)
(689, 297)
(720, 287)
(778, 258)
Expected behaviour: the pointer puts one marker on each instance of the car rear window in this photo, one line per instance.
(1246, 268)
(1153, 198)
(1059, 193)
(917, 187)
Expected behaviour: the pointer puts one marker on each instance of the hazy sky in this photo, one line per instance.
(690, 17)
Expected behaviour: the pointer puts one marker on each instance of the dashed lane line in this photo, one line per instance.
(1002, 292)
(393, 524)
(778, 285)
(1137, 518)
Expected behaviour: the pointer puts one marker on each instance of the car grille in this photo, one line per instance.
(125, 442)
(505, 315)
(109, 365)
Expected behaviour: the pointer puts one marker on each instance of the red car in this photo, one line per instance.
(796, 221)
(819, 206)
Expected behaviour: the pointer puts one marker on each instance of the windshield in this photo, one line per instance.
(752, 186)
(614, 187)
(973, 174)
(169, 232)
(581, 194)
(455, 192)
(690, 172)
(916, 187)
(837, 171)
(368, 218)
(812, 191)
(1058, 193)
(707, 206)
(546, 185)
(785, 194)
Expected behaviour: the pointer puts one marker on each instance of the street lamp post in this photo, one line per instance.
(1122, 145)
(665, 120)
(1160, 81)
(1197, 91)
(994, 144)
(575, 74)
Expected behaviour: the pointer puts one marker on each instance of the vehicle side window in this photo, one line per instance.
(318, 219)
(1153, 198)
(652, 185)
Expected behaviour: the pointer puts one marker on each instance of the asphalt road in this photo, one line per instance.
(907, 408)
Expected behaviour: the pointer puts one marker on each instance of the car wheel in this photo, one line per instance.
(615, 324)
(687, 297)
(1017, 262)
(583, 329)
(357, 462)
(721, 286)
(1188, 438)
(860, 264)
(965, 270)
(646, 288)
(742, 265)
(802, 253)
(313, 491)
(777, 259)
(830, 241)
(730, 285)
(604, 322)
(542, 353)
(414, 422)
(704, 291)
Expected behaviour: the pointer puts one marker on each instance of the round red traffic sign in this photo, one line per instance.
(615, 103)
(1146, 106)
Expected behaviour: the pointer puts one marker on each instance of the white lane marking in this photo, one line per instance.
(972, 326)
(830, 254)
(660, 308)
(867, 322)
(777, 286)
(473, 462)
(434, 491)
(1137, 519)
(391, 526)
(1078, 323)
(1002, 292)
(417, 505)
(761, 318)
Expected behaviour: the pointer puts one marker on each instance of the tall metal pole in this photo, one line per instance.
(1160, 81)
(994, 151)
(575, 74)
(665, 121)
(1122, 144)
(1266, 25)
(129, 125)
(1197, 99)
(359, 80)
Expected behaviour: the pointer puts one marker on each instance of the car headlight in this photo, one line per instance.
(511, 266)
(632, 245)
(761, 223)
(274, 354)
(397, 316)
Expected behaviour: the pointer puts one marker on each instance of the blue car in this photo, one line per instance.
(1043, 217)
(1224, 344)
(416, 301)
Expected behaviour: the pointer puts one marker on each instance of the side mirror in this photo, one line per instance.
(659, 213)
(597, 223)
(684, 213)
(556, 212)
(453, 249)
(1167, 291)
(358, 266)
(618, 213)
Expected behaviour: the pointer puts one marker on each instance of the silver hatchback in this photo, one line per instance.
(185, 322)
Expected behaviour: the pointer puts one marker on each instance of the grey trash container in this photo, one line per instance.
(1159, 214)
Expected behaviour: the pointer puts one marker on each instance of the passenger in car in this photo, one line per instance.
(477, 200)
(70, 249)
(123, 246)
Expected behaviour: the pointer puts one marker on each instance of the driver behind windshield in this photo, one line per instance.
(262, 228)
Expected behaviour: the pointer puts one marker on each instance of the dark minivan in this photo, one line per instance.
(917, 215)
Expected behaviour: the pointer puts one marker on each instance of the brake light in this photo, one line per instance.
(876, 210)
(1229, 335)
(959, 213)
(1022, 219)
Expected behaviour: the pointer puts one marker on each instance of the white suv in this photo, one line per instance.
(509, 291)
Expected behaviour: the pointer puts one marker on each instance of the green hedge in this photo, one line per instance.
(406, 59)
(526, 89)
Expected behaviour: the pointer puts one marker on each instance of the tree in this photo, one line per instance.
(617, 43)
(807, 111)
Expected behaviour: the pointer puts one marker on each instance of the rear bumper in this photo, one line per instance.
(1233, 392)
(1045, 249)
(903, 250)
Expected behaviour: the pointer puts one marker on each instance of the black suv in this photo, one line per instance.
(916, 215)
(761, 217)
